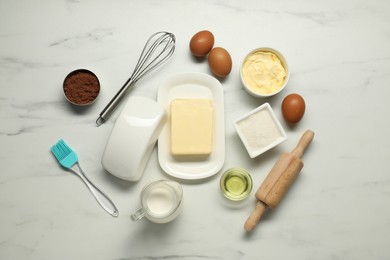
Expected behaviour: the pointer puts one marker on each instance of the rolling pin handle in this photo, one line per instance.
(303, 143)
(255, 216)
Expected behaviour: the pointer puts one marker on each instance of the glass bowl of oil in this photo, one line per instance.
(236, 184)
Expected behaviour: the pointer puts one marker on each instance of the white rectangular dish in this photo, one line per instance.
(196, 86)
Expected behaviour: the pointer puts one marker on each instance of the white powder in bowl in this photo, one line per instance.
(259, 130)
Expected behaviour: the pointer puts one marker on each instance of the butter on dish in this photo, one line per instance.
(191, 127)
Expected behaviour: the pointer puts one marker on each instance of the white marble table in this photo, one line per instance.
(339, 59)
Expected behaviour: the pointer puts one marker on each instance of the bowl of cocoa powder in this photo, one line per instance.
(81, 87)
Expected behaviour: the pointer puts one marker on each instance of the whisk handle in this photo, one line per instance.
(107, 111)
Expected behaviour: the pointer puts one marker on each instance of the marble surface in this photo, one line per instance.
(339, 59)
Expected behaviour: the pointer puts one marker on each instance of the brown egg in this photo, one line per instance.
(201, 43)
(293, 108)
(220, 62)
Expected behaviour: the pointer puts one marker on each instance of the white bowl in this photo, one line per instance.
(254, 90)
(260, 130)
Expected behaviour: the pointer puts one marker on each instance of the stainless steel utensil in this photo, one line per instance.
(157, 50)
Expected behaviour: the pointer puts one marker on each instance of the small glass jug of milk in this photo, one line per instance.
(161, 201)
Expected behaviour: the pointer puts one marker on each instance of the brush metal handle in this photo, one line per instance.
(104, 201)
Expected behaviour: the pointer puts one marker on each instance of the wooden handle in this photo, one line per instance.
(303, 143)
(255, 216)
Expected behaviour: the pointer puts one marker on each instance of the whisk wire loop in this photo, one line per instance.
(166, 43)
(158, 49)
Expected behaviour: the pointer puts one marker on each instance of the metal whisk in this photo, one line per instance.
(157, 50)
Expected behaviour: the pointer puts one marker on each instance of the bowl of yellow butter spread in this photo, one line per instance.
(264, 72)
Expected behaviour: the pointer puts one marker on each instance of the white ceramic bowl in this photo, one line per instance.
(252, 89)
(260, 130)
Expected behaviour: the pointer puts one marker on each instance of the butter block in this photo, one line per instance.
(191, 127)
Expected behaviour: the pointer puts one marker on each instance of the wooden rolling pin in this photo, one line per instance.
(278, 180)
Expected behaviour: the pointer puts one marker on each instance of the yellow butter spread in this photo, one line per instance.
(263, 72)
(191, 126)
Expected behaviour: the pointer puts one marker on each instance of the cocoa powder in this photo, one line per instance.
(81, 87)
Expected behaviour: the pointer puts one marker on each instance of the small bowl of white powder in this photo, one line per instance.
(260, 130)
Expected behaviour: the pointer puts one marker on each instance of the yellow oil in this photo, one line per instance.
(236, 184)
